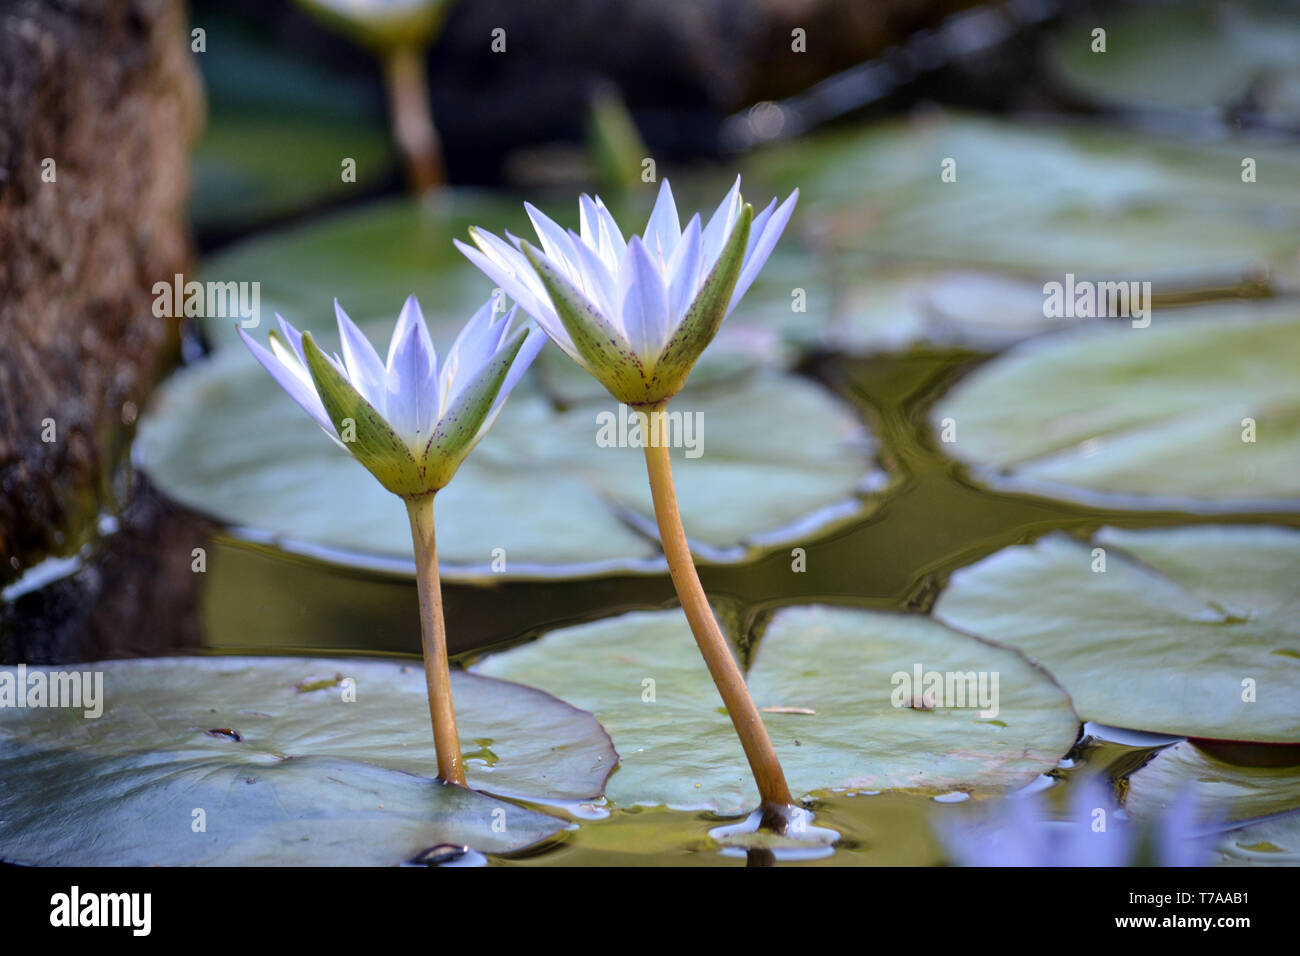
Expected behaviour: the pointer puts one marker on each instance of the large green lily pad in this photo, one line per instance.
(1042, 200)
(1225, 792)
(1150, 417)
(778, 456)
(1196, 60)
(679, 749)
(292, 760)
(1181, 626)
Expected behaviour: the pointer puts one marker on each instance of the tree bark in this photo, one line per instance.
(99, 102)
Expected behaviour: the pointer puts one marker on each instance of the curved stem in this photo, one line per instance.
(412, 117)
(763, 762)
(433, 640)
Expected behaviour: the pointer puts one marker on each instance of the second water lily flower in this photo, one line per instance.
(410, 420)
(636, 313)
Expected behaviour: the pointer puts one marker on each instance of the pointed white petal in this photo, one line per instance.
(664, 229)
(601, 286)
(555, 242)
(288, 379)
(365, 368)
(683, 273)
(645, 302)
(411, 398)
(761, 248)
(719, 226)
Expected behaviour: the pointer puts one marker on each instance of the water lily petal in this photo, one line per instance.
(720, 224)
(302, 392)
(509, 269)
(683, 274)
(556, 243)
(664, 229)
(645, 302)
(761, 244)
(411, 400)
(365, 367)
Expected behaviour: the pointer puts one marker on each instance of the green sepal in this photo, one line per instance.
(376, 445)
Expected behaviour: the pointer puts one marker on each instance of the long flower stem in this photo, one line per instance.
(763, 762)
(433, 640)
(412, 117)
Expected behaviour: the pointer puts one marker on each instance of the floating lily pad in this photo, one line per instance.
(643, 676)
(777, 455)
(1143, 417)
(1195, 60)
(983, 310)
(1043, 201)
(1224, 792)
(1271, 842)
(1192, 631)
(285, 766)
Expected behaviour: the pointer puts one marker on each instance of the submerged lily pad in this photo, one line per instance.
(291, 760)
(1043, 200)
(825, 676)
(1194, 60)
(1191, 631)
(1224, 792)
(1143, 417)
(776, 455)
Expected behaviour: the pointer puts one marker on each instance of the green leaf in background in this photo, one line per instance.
(1166, 638)
(1198, 60)
(263, 157)
(1042, 201)
(642, 675)
(1224, 792)
(293, 760)
(1143, 417)
(778, 456)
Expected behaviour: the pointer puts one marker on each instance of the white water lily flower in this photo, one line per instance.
(635, 313)
(409, 422)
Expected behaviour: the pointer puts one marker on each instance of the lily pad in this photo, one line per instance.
(1191, 60)
(777, 455)
(302, 761)
(825, 675)
(1191, 631)
(1224, 792)
(1043, 200)
(1143, 417)
(1271, 842)
(884, 311)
